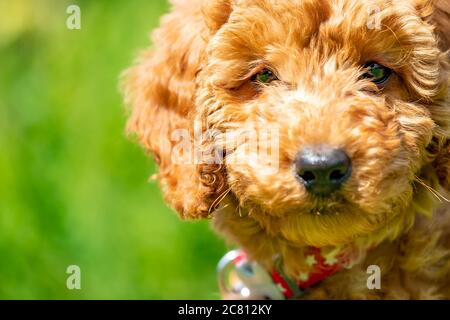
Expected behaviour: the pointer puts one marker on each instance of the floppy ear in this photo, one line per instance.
(160, 89)
(437, 13)
(441, 20)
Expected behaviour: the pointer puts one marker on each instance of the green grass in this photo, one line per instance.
(73, 188)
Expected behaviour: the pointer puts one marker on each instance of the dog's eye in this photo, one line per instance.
(264, 76)
(378, 73)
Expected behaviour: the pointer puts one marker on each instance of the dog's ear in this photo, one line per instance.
(437, 13)
(440, 18)
(160, 91)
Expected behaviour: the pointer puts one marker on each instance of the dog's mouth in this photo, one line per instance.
(335, 204)
(330, 223)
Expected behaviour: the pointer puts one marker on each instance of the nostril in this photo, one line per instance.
(308, 176)
(337, 175)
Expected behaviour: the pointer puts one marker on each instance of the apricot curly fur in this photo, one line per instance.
(394, 206)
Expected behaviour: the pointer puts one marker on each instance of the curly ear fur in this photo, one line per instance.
(441, 20)
(160, 89)
(437, 14)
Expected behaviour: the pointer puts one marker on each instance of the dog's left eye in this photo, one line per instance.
(264, 76)
(378, 73)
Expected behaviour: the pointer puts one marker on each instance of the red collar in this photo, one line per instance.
(322, 265)
(275, 284)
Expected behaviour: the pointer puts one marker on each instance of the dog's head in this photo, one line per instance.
(328, 117)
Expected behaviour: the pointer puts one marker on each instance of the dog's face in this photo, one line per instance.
(356, 91)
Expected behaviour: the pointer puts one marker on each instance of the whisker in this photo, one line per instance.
(428, 188)
(434, 192)
(218, 200)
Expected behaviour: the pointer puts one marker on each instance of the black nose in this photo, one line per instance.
(322, 169)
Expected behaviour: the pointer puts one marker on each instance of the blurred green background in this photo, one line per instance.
(73, 188)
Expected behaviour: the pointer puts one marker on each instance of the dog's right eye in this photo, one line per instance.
(378, 73)
(264, 76)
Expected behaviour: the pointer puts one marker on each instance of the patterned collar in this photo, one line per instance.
(240, 278)
(322, 265)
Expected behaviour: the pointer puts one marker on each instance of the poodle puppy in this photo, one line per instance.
(354, 98)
